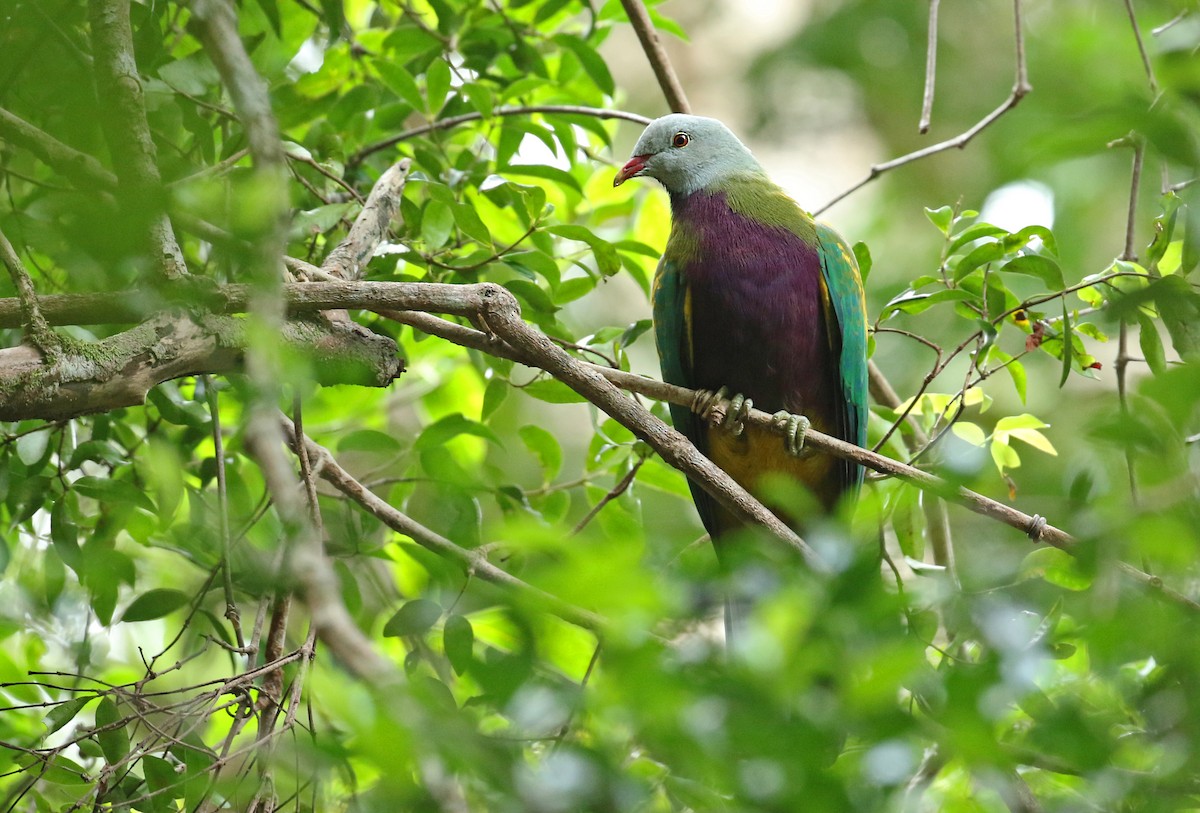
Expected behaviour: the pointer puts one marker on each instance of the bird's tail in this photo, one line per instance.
(737, 621)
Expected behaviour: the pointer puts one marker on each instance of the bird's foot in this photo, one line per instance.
(795, 429)
(711, 406)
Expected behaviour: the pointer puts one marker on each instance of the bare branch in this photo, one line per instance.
(1021, 89)
(84, 171)
(451, 122)
(120, 370)
(511, 338)
(1147, 66)
(639, 18)
(350, 257)
(126, 128)
(930, 68)
(36, 327)
(472, 562)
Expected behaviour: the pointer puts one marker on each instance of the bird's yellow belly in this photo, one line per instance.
(748, 459)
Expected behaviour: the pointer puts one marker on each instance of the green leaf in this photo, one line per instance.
(371, 441)
(974, 232)
(155, 604)
(64, 535)
(573, 289)
(493, 396)
(1056, 567)
(862, 256)
(545, 447)
(1036, 265)
(458, 639)
(440, 432)
(593, 64)
(914, 302)
(160, 778)
(437, 84)
(547, 173)
(978, 256)
(64, 713)
(470, 224)
(100, 450)
(1151, 344)
(531, 295)
(31, 448)
(437, 222)
(1003, 455)
(1067, 344)
(271, 11)
(416, 617)
(115, 741)
(941, 218)
(109, 491)
(400, 82)
(481, 98)
(552, 391)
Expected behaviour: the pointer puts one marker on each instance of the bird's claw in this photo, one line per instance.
(795, 429)
(735, 418)
(709, 405)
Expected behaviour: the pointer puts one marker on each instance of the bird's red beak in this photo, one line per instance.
(635, 166)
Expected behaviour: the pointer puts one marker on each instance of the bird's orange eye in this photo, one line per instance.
(680, 140)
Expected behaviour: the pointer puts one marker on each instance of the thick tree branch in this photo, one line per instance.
(350, 257)
(120, 370)
(510, 338)
(127, 130)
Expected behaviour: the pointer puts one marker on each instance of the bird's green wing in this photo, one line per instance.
(845, 289)
(673, 335)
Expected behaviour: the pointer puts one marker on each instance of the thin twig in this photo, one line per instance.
(930, 68)
(524, 110)
(616, 491)
(1129, 254)
(231, 609)
(1021, 89)
(1147, 66)
(639, 18)
(471, 561)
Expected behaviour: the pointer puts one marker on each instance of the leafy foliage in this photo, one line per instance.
(150, 661)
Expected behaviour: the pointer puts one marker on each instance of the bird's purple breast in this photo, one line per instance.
(756, 308)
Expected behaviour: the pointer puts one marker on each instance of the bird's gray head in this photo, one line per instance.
(687, 153)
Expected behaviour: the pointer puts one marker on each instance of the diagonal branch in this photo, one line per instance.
(84, 171)
(36, 327)
(1020, 90)
(930, 68)
(639, 18)
(510, 338)
(473, 562)
(126, 128)
(350, 257)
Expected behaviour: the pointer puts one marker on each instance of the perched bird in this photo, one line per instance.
(753, 297)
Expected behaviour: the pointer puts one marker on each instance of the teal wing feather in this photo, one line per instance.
(850, 311)
(672, 334)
